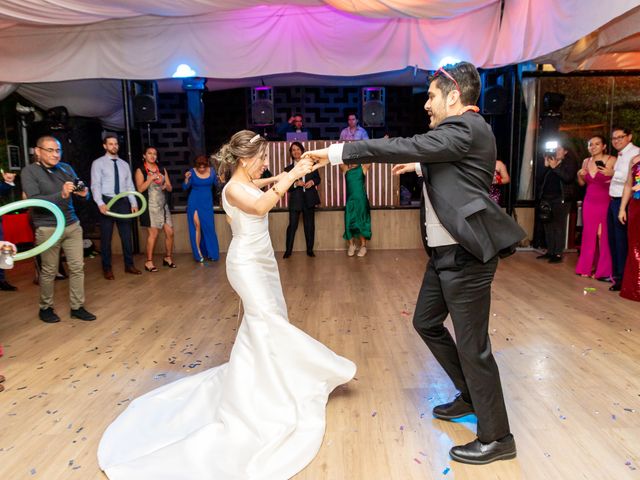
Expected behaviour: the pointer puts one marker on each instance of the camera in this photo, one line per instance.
(550, 148)
(78, 185)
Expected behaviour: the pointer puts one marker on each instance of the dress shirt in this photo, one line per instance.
(359, 134)
(437, 235)
(621, 169)
(103, 179)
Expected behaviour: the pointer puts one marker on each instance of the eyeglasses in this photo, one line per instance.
(619, 137)
(50, 150)
(448, 75)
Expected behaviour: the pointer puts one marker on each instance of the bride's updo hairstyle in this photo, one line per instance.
(244, 144)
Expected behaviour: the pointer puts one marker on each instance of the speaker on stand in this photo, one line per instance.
(373, 107)
(145, 104)
(262, 111)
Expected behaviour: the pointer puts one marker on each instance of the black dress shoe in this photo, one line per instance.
(6, 286)
(616, 287)
(555, 259)
(47, 315)
(544, 256)
(478, 453)
(310, 253)
(452, 410)
(286, 255)
(82, 314)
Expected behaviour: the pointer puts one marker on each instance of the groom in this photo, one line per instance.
(466, 231)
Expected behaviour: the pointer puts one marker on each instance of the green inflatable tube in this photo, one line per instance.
(140, 211)
(57, 233)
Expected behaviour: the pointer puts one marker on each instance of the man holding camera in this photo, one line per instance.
(50, 179)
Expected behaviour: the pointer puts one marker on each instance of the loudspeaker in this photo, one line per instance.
(373, 110)
(495, 100)
(145, 101)
(262, 106)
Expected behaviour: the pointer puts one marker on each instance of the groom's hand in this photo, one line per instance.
(320, 157)
(403, 168)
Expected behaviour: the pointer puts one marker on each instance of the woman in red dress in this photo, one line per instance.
(631, 197)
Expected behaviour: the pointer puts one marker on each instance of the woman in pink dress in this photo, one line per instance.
(596, 173)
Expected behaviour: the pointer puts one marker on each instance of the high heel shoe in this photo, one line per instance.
(168, 264)
(152, 268)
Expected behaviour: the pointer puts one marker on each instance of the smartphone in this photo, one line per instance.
(599, 164)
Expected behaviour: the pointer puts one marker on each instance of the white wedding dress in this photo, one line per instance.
(261, 416)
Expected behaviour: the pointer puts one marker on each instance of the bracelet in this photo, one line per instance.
(275, 190)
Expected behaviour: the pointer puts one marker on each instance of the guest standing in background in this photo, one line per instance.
(353, 131)
(110, 175)
(621, 140)
(200, 182)
(596, 173)
(155, 185)
(500, 177)
(6, 185)
(293, 125)
(631, 198)
(357, 213)
(303, 198)
(558, 189)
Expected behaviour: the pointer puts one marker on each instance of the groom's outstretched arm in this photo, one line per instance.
(449, 142)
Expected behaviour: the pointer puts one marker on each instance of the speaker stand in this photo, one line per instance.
(148, 134)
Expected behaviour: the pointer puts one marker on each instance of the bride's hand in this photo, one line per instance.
(320, 157)
(303, 167)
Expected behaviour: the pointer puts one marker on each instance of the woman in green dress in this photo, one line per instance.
(357, 216)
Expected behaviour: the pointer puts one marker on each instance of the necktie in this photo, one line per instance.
(116, 178)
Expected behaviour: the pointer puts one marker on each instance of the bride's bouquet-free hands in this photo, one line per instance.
(319, 157)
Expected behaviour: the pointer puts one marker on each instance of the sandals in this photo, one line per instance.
(153, 268)
(168, 264)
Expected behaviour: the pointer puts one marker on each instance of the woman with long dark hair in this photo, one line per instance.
(154, 183)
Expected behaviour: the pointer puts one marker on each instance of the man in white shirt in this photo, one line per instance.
(110, 175)
(353, 131)
(621, 141)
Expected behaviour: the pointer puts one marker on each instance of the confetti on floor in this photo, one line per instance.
(374, 413)
(417, 461)
(446, 470)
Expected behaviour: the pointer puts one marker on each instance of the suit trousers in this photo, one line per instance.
(555, 231)
(458, 284)
(71, 243)
(309, 222)
(124, 230)
(618, 243)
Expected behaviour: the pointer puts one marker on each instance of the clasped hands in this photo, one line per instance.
(320, 158)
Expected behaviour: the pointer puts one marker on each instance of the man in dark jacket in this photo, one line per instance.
(466, 231)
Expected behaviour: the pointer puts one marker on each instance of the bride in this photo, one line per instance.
(261, 416)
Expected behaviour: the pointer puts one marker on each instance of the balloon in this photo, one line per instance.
(57, 233)
(140, 211)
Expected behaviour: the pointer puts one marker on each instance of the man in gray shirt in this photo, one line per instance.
(52, 180)
(110, 175)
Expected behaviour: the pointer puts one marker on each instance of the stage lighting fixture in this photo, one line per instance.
(184, 71)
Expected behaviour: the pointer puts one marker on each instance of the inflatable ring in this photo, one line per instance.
(57, 233)
(140, 211)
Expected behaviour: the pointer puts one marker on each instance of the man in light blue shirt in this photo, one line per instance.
(353, 131)
(110, 175)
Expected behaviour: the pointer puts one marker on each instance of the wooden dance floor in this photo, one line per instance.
(569, 359)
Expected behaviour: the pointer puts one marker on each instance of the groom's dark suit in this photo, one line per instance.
(458, 160)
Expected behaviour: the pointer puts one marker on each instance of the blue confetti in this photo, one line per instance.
(446, 470)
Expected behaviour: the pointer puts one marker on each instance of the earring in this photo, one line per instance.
(244, 165)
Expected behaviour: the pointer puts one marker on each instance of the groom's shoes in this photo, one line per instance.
(478, 453)
(452, 410)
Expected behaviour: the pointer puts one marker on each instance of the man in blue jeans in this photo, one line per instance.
(621, 141)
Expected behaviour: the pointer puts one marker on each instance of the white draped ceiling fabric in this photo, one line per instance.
(62, 40)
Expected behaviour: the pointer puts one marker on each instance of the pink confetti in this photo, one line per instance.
(405, 313)
(417, 461)
(374, 413)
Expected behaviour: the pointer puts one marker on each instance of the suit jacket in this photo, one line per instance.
(458, 159)
(300, 198)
